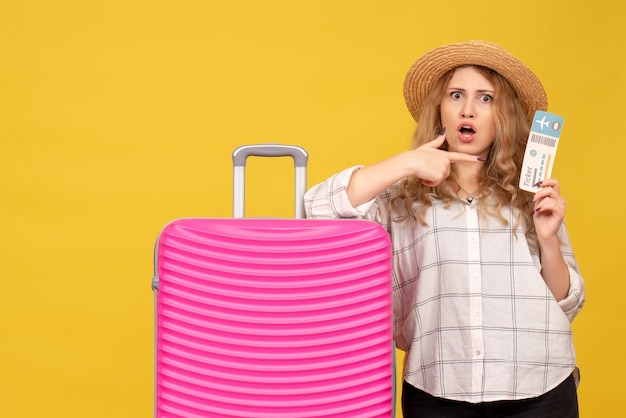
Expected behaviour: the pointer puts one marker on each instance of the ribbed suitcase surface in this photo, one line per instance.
(273, 318)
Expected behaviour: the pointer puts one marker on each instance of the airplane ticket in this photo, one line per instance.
(540, 153)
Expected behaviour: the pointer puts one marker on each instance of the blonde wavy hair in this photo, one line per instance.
(500, 177)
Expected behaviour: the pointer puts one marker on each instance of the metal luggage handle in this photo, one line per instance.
(240, 156)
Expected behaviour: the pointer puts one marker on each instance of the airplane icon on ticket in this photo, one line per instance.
(543, 122)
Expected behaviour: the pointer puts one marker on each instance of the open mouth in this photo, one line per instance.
(467, 131)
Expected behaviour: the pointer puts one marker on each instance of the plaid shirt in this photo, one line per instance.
(471, 309)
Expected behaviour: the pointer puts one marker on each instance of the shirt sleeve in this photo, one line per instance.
(575, 299)
(329, 200)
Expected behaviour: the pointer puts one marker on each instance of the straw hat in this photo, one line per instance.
(432, 65)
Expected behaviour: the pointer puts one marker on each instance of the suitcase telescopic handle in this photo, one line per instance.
(240, 156)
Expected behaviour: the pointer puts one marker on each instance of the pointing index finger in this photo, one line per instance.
(458, 157)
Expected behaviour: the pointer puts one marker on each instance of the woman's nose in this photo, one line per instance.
(467, 111)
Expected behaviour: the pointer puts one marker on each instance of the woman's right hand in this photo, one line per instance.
(432, 165)
(426, 162)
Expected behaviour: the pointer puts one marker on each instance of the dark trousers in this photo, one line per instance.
(560, 402)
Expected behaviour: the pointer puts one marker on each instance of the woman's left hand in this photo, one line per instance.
(549, 210)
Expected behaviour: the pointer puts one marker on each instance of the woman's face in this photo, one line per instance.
(467, 112)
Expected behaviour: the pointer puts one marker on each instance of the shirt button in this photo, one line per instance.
(475, 314)
(478, 352)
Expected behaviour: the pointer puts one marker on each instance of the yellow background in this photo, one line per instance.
(119, 116)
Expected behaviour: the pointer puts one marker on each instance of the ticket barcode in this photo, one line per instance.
(544, 140)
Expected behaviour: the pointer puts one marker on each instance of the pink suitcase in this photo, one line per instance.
(273, 317)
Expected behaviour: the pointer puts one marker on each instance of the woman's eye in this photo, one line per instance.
(485, 98)
(455, 95)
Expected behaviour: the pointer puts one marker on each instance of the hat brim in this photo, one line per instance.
(435, 63)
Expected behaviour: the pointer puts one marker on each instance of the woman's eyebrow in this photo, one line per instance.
(478, 91)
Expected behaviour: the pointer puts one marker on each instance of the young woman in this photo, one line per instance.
(485, 281)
